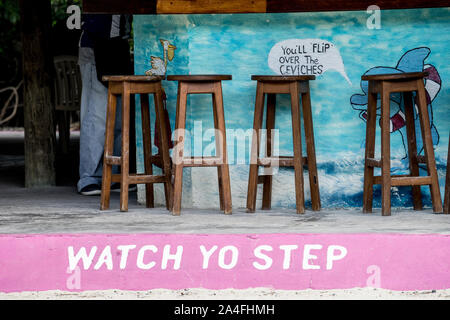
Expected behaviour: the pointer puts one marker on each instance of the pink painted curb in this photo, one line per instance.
(219, 261)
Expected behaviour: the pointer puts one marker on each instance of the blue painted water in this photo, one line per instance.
(239, 44)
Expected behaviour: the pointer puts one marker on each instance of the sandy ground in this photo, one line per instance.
(231, 294)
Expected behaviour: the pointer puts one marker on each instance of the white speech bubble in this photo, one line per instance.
(306, 57)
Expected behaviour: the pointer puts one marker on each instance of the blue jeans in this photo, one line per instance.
(94, 99)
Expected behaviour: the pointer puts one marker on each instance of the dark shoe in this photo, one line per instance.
(115, 187)
(91, 190)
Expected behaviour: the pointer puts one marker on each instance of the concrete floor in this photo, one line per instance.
(61, 210)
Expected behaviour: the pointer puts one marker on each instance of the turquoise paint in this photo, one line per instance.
(239, 44)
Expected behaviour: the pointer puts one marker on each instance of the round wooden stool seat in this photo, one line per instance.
(282, 78)
(395, 76)
(133, 78)
(200, 77)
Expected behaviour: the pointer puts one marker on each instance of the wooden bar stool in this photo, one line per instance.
(385, 84)
(270, 86)
(198, 84)
(447, 183)
(126, 86)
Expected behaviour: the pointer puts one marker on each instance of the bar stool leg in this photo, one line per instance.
(385, 152)
(298, 155)
(147, 144)
(412, 148)
(108, 151)
(270, 125)
(447, 183)
(165, 155)
(370, 150)
(178, 104)
(225, 173)
(125, 168)
(428, 147)
(253, 174)
(178, 151)
(218, 149)
(311, 151)
(176, 127)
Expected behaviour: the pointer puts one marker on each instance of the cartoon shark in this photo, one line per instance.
(412, 61)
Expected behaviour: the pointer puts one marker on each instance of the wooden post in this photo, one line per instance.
(257, 123)
(385, 150)
(298, 154)
(370, 149)
(38, 105)
(270, 125)
(412, 148)
(447, 183)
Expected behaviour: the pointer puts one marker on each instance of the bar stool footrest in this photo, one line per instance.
(373, 162)
(140, 178)
(405, 180)
(202, 162)
(282, 161)
(421, 159)
(113, 160)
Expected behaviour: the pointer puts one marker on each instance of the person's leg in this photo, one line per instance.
(93, 123)
(92, 135)
(118, 132)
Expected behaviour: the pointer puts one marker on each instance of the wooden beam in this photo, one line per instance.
(120, 6)
(211, 6)
(249, 6)
(348, 5)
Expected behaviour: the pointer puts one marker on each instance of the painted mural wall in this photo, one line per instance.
(336, 46)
